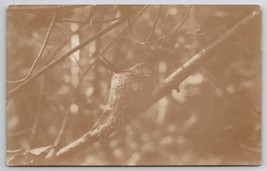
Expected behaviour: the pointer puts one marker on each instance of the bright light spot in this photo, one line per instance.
(158, 31)
(172, 11)
(75, 69)
(162, 67)
(162, 106)
(89, 91)
(219, 14)
(74, 108)
(230, 88)
(134, 158)
(92, 48)
(36, 34)
(196, 78)
(176, 45)
(179, 97)
(257, 127)
(115, 82)
(181, 40)
(13, 122)
(117, 152)
(247, 84)
(75, 58)
(190, 121)
(67, 78)
(74, 26)
(166, 140)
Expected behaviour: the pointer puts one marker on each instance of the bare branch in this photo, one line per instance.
(64, 122)
(151, 32)
(38, 56)
(171, 82)
(66, 113)
(177, 28)
(62, 57)
(154, 26)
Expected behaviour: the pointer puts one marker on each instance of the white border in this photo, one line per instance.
(5, 3)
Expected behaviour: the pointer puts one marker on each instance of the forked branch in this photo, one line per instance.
(170, 83)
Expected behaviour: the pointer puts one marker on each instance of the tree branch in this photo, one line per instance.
(170, 83)
(11, 93)
(61, 58)
(151, 32)
(177, 28)
(38, 56)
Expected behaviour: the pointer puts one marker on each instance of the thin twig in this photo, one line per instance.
(177, 28)
(151, 32)
(89, 67)
(154, 25)
(38, 56)
(164, 88)
(82, 26)
(66, 113)
(61, 58)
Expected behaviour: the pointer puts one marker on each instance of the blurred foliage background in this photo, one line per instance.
(214, 119)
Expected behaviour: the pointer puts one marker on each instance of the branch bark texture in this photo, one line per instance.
(170, 83)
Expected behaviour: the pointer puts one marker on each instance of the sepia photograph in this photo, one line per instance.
(133, 85)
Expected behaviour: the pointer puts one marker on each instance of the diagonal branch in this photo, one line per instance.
(61, 58)
(170, 83)
(38, 56)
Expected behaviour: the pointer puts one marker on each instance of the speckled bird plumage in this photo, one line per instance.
(129, 91)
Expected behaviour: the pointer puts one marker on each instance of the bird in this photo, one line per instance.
(130, 90)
